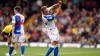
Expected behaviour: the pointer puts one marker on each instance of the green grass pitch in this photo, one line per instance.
(32, 51)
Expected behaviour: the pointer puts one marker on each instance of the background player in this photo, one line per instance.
(17, 30)
(7, 34)
(52, 30)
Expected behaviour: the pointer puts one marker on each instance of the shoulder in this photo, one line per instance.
(13, 17)
(10, 25)
(49, 8)
(21, 16)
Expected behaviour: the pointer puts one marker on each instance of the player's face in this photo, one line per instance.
(45, 11)
(15, 11)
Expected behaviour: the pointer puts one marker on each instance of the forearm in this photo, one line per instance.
(55, 14)
(54, 6)
(60, 3)
(58, 8)
(13, 27)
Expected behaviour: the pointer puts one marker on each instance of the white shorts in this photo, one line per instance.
(18, 38)
(53, 34)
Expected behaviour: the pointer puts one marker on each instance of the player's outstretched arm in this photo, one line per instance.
(13, 27)
(53, 6)
(55, 14)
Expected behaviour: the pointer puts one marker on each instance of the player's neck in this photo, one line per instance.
(45, 14)
(17, 13)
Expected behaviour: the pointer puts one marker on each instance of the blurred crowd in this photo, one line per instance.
(78, 21)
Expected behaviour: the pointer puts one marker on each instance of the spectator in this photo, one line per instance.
(75, 24)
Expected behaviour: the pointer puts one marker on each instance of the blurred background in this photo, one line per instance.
(78, 20)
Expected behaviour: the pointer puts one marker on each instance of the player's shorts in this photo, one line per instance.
(18, 38)
(53, 34)
(7, 34)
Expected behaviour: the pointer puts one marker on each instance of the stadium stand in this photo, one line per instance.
(78, 21)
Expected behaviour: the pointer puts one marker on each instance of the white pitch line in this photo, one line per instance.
(72, 53)
(62, 53)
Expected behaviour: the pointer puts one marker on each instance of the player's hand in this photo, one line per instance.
(12, 39)
(60, 2)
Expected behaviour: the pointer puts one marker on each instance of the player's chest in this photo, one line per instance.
(49, 16)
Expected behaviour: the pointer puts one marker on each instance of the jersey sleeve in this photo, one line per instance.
(44, 19)
(23, 19)
(13, 20)
(49, 8)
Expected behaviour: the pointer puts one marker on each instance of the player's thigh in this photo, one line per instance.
(9, 41)
(21, 38)
(10, 34)
(15, 38)
(54, 37)
(5, 35)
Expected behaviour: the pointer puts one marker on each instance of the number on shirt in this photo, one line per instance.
(19, 21)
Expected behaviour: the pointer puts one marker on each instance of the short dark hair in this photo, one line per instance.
(18, 8)
(43, 7)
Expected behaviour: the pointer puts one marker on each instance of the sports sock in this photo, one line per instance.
(50, 50)
(22, 49)
(56, 51)
(11, 49)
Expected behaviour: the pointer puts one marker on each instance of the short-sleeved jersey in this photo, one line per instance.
(18, 20)
(7, 29)
(50, 24)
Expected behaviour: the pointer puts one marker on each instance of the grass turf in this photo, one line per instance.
(32, 51)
